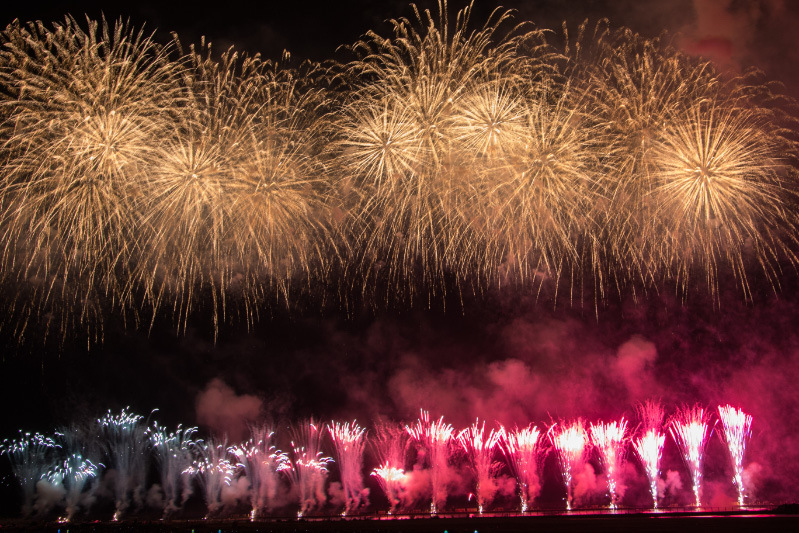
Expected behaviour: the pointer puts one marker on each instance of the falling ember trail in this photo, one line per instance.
(737, 427)
(570, 443)
(690, 428)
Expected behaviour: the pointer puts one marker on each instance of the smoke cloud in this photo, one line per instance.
(223, 412)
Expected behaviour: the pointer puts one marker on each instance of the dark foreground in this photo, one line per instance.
(643, 522)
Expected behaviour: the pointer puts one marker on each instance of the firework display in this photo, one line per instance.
(261, 462)
(434, 439)
(390, 442)
(649, 446)
(30, 455)
(570, 442)
(481, 449)
(173, 453)
(307, 467)
(691, 430)
(142, 177)
(349, 440)
(737, 429)
(214, 469)
(125, 437)
(255, 479)
(609, 439)
(524, 450)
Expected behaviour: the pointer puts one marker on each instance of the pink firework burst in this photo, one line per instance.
(523, 450)
(349, 440)
(690, 428)
(610, 439)
(737, 431)
(390, 444)
(435, 438)
(649, 446)
(481, 450)
(570, 442)
(307, 468)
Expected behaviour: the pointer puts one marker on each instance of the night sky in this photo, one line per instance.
(502, 355)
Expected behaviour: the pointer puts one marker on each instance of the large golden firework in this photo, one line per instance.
(718, 196)
(141, 176)
(539, 205)
(632, 87)
(236, 203)
(409, 136)
(83, 111)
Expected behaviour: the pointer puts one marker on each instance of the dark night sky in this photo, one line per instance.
(478, 360)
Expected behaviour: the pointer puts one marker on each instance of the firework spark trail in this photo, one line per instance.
(74, 472)
(610, 440)
(481, 450)
(523, 450)
(690, 428)
(214, 469)
(434, 438)
(125, 439)
(737, 427)
(307, 468)
(31, 456)
(174, 455)
(262, 462)
(649, 446)
(350, 441)
(390, 443)
(570, 442)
